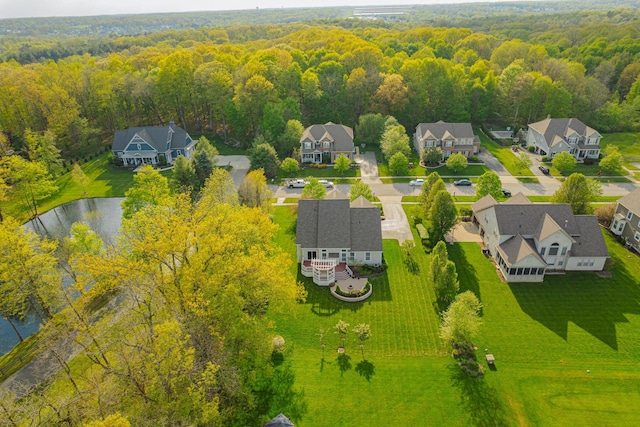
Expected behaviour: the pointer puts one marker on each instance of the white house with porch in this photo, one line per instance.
(552, 136)
(325, 143)
(334, 233)
(152, 145)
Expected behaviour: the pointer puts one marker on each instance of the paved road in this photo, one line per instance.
(240, 166)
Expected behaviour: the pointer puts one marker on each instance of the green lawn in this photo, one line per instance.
(544, 337)
(628, 143)
(503, 154)
(105, 181)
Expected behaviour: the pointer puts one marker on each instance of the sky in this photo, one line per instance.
(42, 8)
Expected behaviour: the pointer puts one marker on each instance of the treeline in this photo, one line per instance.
(244, 82)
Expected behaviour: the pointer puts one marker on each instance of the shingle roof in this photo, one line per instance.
(517, 248)
(484, 203)
(563, 127)
(590, 242)
(440, 130)
(340, 136)
(514, 219)
(155, 136)
(337, 223)
(546, 227)
(632, 201)
(279, 421)
(518, 199)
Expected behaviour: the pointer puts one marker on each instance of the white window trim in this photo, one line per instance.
(637, 236)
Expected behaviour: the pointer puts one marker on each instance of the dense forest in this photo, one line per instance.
(242, 81)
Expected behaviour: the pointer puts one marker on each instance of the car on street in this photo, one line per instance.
(506, 192)
(297, 183)
(544, 169)
(328, 184)
(416, 182)
(462, 181)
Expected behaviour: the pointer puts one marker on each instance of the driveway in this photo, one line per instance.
(395, 224)
(240, 166)
(492, 163)
(368, 167)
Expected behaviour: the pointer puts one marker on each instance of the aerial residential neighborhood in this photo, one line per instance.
(320, 216)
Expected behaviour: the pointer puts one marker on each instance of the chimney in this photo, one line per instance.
(172, 123)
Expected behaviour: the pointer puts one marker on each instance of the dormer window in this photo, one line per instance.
(326, 144)
(553, 249)
(629, 215)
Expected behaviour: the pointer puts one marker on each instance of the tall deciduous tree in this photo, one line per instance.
(80, 178)
(489, 183)
(523, 161)
(457, 162)
(431, 155)
(29, 275)
(254, 193)
(461, 321)
(290, 138)
(314, 189)
(43, 149)
(363, 189)
(612, 160)
(564, 161)
(399, 164)
(578, 191)
(369, 129)
(29, 181)
(149, 188)
(443, 215)
(290, 166)
(395, 140)
(342, 164)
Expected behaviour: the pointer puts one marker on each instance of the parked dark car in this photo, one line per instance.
(463, 181)
(544, 169)
(506, 192)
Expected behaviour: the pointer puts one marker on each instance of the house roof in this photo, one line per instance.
(517, 248)
(514, 219)
(517, 199)
(340, 135)
(550, 128)
(548, 226)
(632, 201)
(484, 203)
(338, 223)
(441, 130)
(590, 241)
(279, 421)
(155, 136)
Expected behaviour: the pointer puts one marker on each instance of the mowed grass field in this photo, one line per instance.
(545, 338)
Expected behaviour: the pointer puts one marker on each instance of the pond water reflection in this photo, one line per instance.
(103, 215)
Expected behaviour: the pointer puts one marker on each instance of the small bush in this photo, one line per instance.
(589, 161)
(422, 231)
(417, 220)
(545, 159)
(531, 148)
(474, 159)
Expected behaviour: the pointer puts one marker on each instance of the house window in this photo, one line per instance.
(367, 256)
(560, 262)
(564, 251)
(542, 250)
(629, 213)
(579, 263)
(519, 272)
(553, 250)
(352, 256)
(621, 226)
(637, 236)
(324, 254)
(326, 144)
(140, 148)
(449, 144)
(343, 255)
(428, 144)
(527, 271)
(591, 262)
(307, 145)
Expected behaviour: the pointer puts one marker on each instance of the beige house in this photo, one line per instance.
(528, 240)
(324, 143)
(334, 233)
(451, 138)
(626, 220)
(553, 136)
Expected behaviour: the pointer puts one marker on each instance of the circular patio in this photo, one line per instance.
(352, 290)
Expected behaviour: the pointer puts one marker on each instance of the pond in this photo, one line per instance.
(103, 215)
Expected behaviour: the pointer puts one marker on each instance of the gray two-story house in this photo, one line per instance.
(626, 220)
(152, 144)
(451, 138)
(552, 136)
(325, 143)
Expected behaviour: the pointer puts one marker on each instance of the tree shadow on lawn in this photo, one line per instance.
(344, 363)
(276, 394)
(366, 369)
(467, 274)
(480, 401)
(593, 303)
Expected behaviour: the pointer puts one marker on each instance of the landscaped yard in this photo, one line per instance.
(628, 143)
(503, 154)
(544, 337)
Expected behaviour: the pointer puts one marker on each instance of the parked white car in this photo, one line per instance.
(416, 182)
(328, 184)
